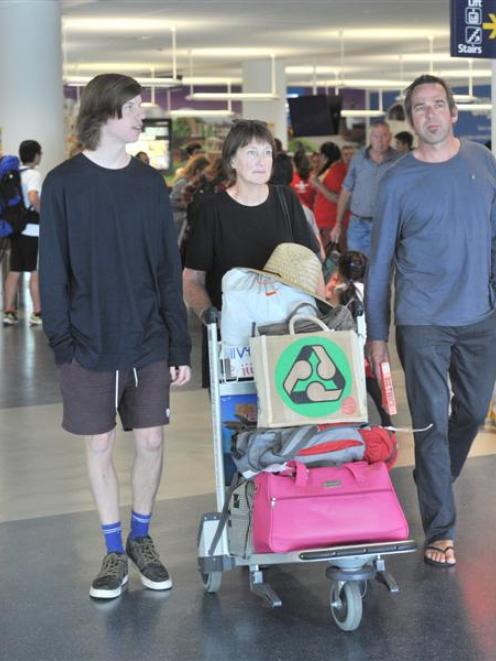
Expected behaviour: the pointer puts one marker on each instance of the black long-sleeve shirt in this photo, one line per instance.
(110, 274)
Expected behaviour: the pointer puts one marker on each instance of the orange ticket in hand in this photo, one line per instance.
(388, 398)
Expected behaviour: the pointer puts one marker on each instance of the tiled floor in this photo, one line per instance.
(50, 547)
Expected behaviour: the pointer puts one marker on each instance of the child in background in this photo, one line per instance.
(345, 286)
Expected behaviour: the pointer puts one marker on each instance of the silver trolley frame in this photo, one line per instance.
(350, 567)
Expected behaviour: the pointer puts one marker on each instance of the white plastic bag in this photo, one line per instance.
(249, 298)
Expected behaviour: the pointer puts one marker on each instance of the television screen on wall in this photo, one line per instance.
(314, 115)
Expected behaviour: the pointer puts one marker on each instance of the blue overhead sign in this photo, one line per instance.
(473, 28)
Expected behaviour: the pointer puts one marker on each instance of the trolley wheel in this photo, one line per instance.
(212, 581)
(346, 604)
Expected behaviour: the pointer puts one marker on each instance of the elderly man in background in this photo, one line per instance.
(359, 190)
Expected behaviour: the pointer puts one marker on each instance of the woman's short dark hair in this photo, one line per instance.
(302, 164)
(102, 99)
(427, 79)
(241, 134)
(332, 154)
(28, 150)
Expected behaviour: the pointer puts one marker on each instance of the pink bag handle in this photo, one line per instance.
(355, 470)
(299, 471)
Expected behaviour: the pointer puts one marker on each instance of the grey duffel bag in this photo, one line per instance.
(261, 449)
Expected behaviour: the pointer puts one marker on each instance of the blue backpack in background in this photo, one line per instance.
(13, 213)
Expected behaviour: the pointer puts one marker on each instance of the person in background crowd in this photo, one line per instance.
(242, 225)
(360, 188)
(327, 193)
(301, 182)
(403, 142)
(75, 147)
(193, 149)
(282, 175)
(114, 315)
(282, 171)
(316, 162)
(330, 153)
(191, 174)
(435, 227)
(196, 193)
(143, 156)
(24, 246)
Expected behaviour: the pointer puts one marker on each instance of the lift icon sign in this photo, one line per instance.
(313, 378)
(473, 16)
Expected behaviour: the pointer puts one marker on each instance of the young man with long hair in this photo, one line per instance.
(113, 311)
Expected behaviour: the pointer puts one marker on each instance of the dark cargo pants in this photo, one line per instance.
(428, 354)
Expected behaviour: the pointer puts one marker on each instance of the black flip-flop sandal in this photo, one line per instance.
(436, 563)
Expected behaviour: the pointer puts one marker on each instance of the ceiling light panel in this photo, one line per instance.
(308, 70)
(123, 24)
(114, 66)
(234, 52)
(212, 80)
(192, 112)
(370, 34)
(232, 96)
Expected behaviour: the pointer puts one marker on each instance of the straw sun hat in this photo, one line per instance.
(298, 267)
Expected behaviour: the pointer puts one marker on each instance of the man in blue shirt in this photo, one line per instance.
(435, 227)
(360, 188)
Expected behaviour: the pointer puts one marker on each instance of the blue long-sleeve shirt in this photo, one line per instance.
(435, 228)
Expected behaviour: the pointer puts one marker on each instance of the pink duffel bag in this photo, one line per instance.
(304, 508)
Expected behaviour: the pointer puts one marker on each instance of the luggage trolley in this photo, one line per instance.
(349, 568)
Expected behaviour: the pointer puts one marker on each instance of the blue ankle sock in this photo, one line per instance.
(112, 533)
(139, 524)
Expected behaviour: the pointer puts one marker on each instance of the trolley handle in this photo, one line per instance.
(210, 316)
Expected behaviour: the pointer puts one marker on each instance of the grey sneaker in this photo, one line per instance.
(10, 319)
(113, 575)
(35, 319)
(152, 572)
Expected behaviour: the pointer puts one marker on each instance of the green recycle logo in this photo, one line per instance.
(313, 378)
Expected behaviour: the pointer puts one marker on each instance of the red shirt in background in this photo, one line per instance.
(326, 211)
(304, 190)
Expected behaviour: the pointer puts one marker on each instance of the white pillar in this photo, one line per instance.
(257, 77)
(32, 102)
(493, 111)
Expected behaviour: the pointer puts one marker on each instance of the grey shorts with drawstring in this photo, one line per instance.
(91, 399)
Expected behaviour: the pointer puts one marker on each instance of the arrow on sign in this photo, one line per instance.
(491, 26)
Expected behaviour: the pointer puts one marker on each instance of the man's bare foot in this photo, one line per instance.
(440, 553)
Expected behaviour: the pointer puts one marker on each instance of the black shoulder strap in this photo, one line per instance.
(285, 210)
